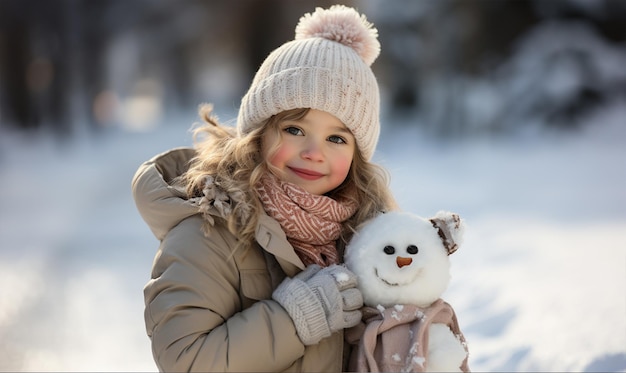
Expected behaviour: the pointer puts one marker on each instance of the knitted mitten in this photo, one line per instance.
(320, 301)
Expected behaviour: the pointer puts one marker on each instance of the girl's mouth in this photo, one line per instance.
(306, 174)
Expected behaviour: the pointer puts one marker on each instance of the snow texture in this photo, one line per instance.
(538, 285)
(342, 277)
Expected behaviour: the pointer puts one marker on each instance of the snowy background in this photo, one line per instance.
(539, 283)
(512, 114)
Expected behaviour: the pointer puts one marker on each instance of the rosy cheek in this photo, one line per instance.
(281, 156)
(342, 166)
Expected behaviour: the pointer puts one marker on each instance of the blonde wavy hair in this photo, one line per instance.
(236, 164)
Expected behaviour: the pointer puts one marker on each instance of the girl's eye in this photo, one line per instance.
(389, 250)
(294, 131)
(337, 139)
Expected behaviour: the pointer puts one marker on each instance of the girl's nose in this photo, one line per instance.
(312, 151)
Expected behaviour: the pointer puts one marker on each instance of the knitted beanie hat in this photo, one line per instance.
(326, 67)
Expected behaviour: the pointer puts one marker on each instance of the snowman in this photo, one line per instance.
(403, 267)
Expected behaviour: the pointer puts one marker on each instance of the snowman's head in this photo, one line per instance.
(401, 258)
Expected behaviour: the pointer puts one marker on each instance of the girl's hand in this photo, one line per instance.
(321, 301)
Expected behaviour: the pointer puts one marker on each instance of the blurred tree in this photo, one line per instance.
(444, 61)
(32, 68)
(73, 65)
(70, 64)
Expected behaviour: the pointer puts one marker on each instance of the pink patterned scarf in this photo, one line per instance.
(311, 222)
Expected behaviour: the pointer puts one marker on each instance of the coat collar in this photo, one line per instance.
(269, 234)
(163, 205)
(272, 239)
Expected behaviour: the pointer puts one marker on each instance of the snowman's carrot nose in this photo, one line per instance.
(401, 262)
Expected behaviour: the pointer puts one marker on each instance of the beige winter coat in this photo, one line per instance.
(207, 307)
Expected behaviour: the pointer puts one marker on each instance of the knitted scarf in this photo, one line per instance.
(395, 339)
(312, 223)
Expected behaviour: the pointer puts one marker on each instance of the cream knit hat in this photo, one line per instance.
(326, 67)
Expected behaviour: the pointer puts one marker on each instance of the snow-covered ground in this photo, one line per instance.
(539, 283)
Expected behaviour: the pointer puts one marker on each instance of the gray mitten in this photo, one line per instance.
(320, 301)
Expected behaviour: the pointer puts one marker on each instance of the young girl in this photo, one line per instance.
(253, 221)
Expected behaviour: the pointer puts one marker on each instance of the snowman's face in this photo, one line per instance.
(399, 258)
(395, 266)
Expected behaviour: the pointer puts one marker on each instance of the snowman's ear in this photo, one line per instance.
(451, 228)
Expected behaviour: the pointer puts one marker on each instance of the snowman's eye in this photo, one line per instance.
(389, 250)
(412, 249)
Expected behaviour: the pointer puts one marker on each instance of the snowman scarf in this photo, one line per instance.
(312, 223)
(395, 339)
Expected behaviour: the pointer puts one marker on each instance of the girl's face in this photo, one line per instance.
(314, 152)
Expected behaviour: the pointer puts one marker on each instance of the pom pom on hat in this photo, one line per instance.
(343, 25)
(326, 67)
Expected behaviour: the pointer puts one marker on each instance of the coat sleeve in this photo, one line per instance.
(193, 310)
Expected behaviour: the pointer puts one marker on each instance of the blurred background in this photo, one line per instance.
(511, 113)
(459, 66)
